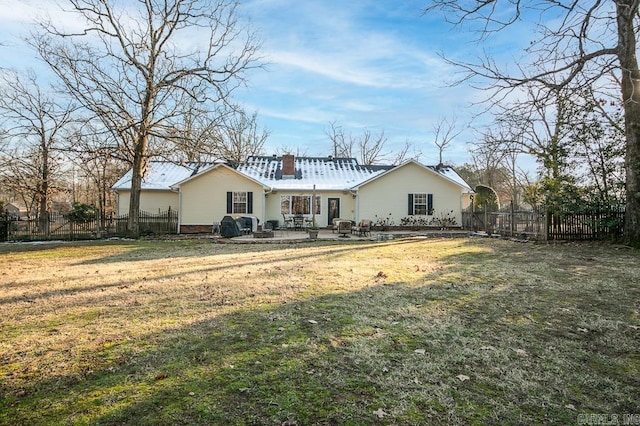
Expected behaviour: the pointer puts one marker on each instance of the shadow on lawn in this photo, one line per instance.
(154, 250)
(427, 352)
(152, 253)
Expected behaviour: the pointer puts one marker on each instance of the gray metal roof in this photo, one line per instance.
(160, 175)
(326, 173)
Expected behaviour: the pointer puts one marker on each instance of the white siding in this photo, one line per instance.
(387, 196)
(204, 198)
(347, 205)
(150, 201)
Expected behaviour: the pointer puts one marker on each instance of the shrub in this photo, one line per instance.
(82, 213)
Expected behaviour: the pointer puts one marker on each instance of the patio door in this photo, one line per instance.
(333, 208)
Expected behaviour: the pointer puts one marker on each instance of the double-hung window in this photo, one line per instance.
(239, 202)
(420, 204)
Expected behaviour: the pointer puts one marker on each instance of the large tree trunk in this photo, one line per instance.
(43, 217)
(137, 173)
(631, 99)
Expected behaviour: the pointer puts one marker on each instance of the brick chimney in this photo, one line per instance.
(288, 165)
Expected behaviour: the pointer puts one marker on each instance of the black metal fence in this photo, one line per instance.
(59, 227)
(589, 224)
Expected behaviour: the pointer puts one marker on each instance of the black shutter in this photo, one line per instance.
(249, 202)
(410, 205)
(229, 202)
(430, 204)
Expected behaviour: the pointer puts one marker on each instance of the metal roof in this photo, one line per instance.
(326, 173)
(160, 175)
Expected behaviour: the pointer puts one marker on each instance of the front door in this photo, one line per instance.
(333, 209)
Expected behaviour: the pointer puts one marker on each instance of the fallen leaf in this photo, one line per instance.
(313, 322)
(584, 330)
(420, 351)
(570, 407)
(380, 413)
(462, 377)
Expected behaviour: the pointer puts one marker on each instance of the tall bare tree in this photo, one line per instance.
(96, 165)
(34, 121)
(342, 145)
(583, 41)
(445, 132)
(369, 147)
(240, 137)
(136, 64)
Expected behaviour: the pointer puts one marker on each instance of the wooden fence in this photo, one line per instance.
(594, 224)
(59, 227)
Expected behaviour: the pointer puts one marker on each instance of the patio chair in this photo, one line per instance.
(288, 221)
(364, 227)
(344, 228)
(334, 224)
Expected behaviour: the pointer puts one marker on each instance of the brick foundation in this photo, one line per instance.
(196, 229)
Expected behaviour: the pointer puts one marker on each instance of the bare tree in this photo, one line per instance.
(240, 137)
(194, 137)
(444, 133)
(369, 148)
(97, 167)
(403, 153)
(135, 65)
(342, 145)
(34, 120)
(584, 41)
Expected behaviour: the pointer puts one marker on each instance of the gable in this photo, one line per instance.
(412, 173)
(219, 176)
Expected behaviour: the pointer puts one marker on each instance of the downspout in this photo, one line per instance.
(264, 206)
(179, 209)
(356, 205)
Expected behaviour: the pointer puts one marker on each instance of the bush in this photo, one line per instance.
(82, 213)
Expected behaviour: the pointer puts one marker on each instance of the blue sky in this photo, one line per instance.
(362, 64)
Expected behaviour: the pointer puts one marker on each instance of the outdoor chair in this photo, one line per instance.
(334, 224)
(344, 228)
(288, 221)
(364, 227)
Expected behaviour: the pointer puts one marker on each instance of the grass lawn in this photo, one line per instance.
(415, 331)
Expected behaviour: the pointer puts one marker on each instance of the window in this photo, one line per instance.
(420, 204)
(298, 204)
(240, 202)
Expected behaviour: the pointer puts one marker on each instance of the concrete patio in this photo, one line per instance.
(327, 234)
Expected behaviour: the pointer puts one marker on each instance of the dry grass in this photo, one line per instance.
(402, 332)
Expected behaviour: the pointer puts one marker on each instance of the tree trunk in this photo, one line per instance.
(631, 100)
(43, 217)
(137, 173)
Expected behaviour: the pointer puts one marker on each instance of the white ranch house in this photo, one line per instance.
(271, 187)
